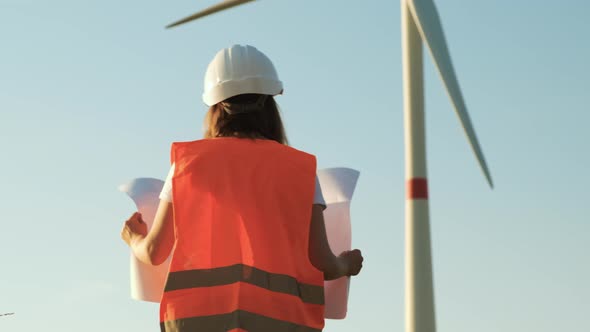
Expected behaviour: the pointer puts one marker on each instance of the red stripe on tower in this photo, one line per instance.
(417, 188)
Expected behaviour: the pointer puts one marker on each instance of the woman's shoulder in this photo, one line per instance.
(192, 144)
(241, 143)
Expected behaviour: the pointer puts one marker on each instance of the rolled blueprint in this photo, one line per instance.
(338, 184)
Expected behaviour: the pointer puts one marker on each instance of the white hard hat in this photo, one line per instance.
(239, 70)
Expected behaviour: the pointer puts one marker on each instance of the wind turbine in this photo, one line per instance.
(420, 22)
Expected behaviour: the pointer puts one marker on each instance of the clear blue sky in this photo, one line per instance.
(92, 93)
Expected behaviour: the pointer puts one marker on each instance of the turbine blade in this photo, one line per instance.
(208, 11)
(428, 22)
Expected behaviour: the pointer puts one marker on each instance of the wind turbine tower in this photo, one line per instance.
(420, 22)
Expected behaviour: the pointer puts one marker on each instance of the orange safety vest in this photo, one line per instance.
(242, 211)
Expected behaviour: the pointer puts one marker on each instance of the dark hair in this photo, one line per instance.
(250, 120)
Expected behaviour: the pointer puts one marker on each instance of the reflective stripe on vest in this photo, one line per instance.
(242, 273)
(242, 211)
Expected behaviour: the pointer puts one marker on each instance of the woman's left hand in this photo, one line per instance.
(133, 229)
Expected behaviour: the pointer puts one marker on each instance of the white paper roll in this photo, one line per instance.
(338, 184)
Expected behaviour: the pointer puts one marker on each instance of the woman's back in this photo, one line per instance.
(242, 218)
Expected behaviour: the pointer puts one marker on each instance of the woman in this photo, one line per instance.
(242, 215)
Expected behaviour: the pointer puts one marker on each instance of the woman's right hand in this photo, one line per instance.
(354, 261)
